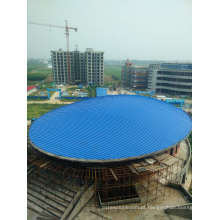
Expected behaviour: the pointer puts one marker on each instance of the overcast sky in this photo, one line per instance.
(134, 29)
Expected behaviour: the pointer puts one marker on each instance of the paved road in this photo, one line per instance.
(48, 102)
(53, 97)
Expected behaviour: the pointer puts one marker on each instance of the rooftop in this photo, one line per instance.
(30, 88)
(110, 128)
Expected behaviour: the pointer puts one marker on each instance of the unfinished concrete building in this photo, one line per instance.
(94, 67)
(114, 150)
(85, 67)
(134, 77)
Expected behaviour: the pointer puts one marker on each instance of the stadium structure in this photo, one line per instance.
(114, 143)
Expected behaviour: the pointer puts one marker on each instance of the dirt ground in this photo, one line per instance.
(136, 211)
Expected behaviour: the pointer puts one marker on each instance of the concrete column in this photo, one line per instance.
(178, 148)
(172, 151)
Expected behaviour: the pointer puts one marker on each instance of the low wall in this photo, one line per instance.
(184, 211)
(187, 162)
(121, 202)
(37, 97)
(185, 193)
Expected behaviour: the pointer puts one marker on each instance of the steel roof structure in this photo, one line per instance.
(109, 129)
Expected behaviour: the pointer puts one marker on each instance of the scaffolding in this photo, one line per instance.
(116, 184)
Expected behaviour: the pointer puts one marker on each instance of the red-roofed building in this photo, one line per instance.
(31, 89)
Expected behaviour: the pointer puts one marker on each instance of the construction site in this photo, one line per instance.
(112, 157)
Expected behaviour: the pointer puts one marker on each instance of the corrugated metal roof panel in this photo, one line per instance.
(110, 127)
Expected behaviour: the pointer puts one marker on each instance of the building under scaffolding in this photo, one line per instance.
(115, 143)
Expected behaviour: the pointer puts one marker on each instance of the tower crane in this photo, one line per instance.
(67, 29)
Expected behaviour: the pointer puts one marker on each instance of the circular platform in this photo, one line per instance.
(110, 128)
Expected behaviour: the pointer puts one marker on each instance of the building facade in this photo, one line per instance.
(163, 78)
(124, 73)
(172, 78)
(85, 67)
(152, 76)
(94, 67)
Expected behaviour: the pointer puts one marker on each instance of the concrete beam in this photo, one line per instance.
(113, 174)
(183, 212)
(86, 196)
(100, 215)
(73, 203)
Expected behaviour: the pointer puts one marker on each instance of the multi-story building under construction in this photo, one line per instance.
(84, 67)
(134, 77)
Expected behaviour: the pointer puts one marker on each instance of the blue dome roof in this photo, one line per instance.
(110, 128)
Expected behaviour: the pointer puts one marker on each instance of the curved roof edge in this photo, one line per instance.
(111, 161)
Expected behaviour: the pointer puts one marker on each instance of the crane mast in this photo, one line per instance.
(67, 28)
(68, 52)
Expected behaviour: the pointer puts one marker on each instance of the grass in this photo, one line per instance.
(112, 76)
(113, 70)
(36, 76)
(37, 71)
(38, 99)
(32, 83)
(36, 110)
(37, 93)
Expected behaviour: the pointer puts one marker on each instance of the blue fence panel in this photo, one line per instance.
(145, 92)
(80, 86)
(53, 89)
(179, 102)
(101, 91)
(83, 94)
(42, 93)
